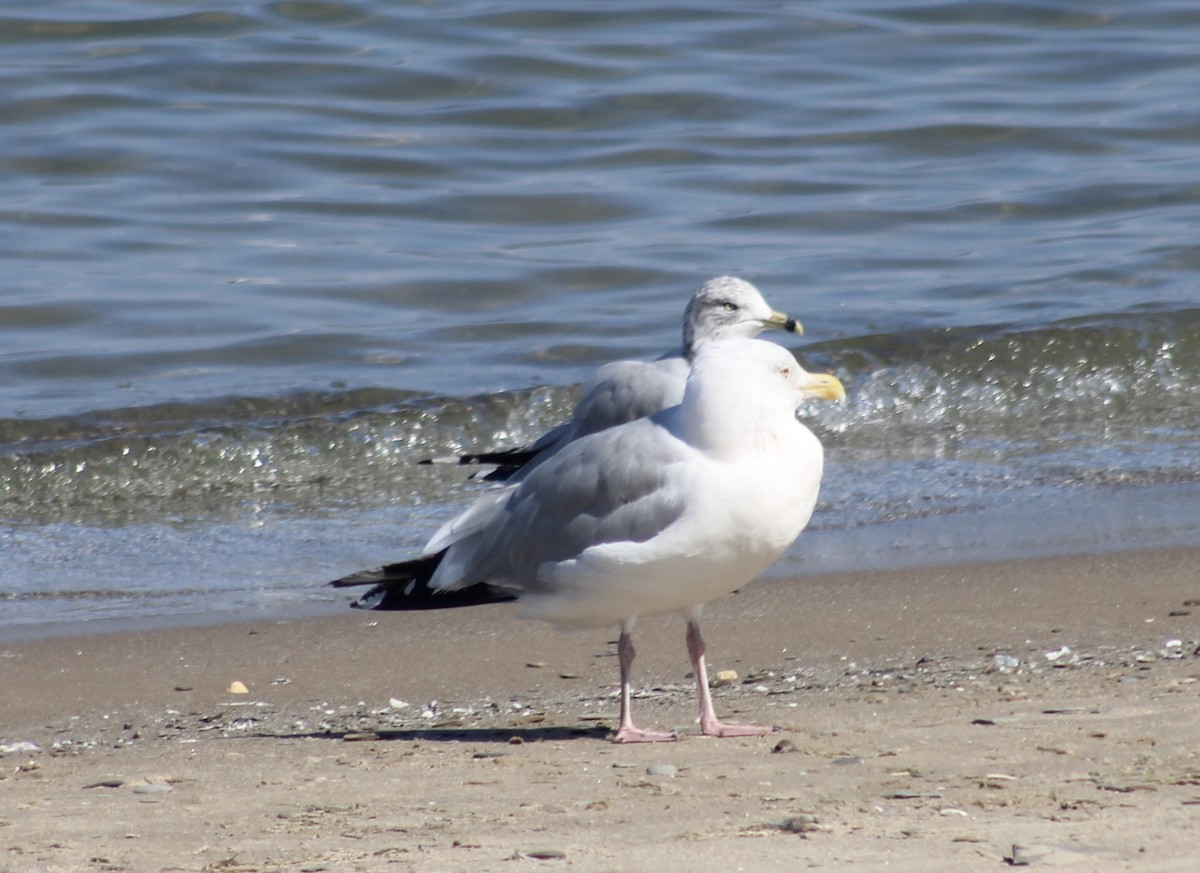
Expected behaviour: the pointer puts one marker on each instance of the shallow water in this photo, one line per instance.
(258, 260)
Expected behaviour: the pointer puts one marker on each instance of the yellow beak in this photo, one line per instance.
(783, 321)
(823, 386)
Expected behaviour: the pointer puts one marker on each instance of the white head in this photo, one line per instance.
(726, 308)
(743, 386)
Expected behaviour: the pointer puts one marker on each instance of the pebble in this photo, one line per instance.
(670, 771)
(723, 678)
(544, 854)
(784, 746)
(804, 823)
(106, 783)
(236, 687)
(152, 788)
(1021, 856)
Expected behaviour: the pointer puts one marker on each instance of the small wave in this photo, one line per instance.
(1111, 398)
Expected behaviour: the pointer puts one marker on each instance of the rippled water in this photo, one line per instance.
(259, 259)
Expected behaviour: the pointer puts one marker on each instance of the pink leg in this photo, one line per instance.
(710, 725)
(627, 732)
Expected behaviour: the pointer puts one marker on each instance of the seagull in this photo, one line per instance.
(621, 391)
(657, 515)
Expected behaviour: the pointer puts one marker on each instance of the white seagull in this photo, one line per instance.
(621, 391)
(661, 514)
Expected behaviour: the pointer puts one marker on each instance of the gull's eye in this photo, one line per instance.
(729, 307)
(785, 372)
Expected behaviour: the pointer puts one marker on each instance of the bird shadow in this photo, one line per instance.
(502, 736)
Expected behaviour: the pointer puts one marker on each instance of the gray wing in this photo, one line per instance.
(620, 392)
(605, 488)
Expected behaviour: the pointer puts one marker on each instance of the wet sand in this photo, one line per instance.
(930, 719)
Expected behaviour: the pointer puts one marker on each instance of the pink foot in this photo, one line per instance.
(721, 729)
(631, 734)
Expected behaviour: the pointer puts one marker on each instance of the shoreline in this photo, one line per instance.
(1071, 524)
(931, 718)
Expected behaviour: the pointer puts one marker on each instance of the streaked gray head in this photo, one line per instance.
(728, 307)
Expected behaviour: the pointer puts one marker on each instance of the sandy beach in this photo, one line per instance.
(1042, 714)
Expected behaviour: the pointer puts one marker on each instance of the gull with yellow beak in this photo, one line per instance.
(657, 515)
(621, 391)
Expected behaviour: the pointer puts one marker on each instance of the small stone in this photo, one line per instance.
(396, 703)
(1022, 856)
(152, 788)
(784, 746)
(236, 687)
(669, 771)
(545, 854)
(536, 665)
(106, 783)
(723, 678)
(804, 823)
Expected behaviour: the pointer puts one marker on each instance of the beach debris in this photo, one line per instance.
(106, 783)
(397, 703)
(540, 855)
(1022, 856)
(996, 780)
(1005, 663)
(1062, 657)
(21, 746)
(1172, 650)
(668, 771)
(783, 746)
(152, 788)
(723, 678)
(801, 823)
(237, 687)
